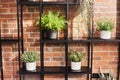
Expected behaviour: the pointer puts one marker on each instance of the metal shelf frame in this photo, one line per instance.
(43, 70)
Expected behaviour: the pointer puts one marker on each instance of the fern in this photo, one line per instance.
(52, 21)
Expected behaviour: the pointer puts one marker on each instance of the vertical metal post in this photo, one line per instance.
(41, 44)
(88, 44)
(21, 35)
(92, 39)
(21, 27)
(18, 30)
(118, 70)
(66, 43)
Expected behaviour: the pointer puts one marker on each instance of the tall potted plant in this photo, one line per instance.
(76, 58)
(30, 59)
(105, 26)
(52, 23)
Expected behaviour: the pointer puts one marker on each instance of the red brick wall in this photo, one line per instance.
(105, 54)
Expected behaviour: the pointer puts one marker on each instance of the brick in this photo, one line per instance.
(105, 54)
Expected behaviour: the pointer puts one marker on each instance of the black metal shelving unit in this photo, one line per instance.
(42, 70)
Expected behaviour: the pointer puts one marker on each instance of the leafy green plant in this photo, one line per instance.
(103, 76)
(52, 21)
(29, 57)
(76, 56)
(105, 24)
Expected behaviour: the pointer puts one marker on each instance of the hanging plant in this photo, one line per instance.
(85, 12)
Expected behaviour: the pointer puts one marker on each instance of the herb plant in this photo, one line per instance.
(76, 56)
(104, 24)
(29, 57)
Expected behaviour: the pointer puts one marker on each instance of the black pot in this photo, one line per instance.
(49, 34)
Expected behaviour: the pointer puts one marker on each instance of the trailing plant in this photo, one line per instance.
(29, 57)
(76, 56)
(52, 21)
(85, 9)
(104, 24)
(85, 13)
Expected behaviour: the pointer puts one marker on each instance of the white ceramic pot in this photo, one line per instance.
(75, 65)
(105, 35)
(31, 66)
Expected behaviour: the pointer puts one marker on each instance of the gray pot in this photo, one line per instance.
(53, 34)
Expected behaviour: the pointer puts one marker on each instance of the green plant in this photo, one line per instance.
(29, 57)
(76, 56)
(52, 21)
(105, 24)
(107, 76)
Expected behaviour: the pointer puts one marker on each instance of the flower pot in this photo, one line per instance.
(75, 65)
(105, 35)
(31, 66)
(53, 34)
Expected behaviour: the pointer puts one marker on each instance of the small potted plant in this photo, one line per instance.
(52, 23)
(30, 59)
(76, 58)
(105, 76)
(105, 26)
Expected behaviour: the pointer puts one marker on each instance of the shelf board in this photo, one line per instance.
(53, 41)
(84, 70)
(63, 41)
(106, 40)
(46, 3)
(55, 70)
(96, 75)
(24, 71)
(77, 41)
(8, 40)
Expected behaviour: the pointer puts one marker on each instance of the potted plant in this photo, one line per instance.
(105, 26)
(76, 58)
(30, 59)
(105, 76)
(52, 23)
